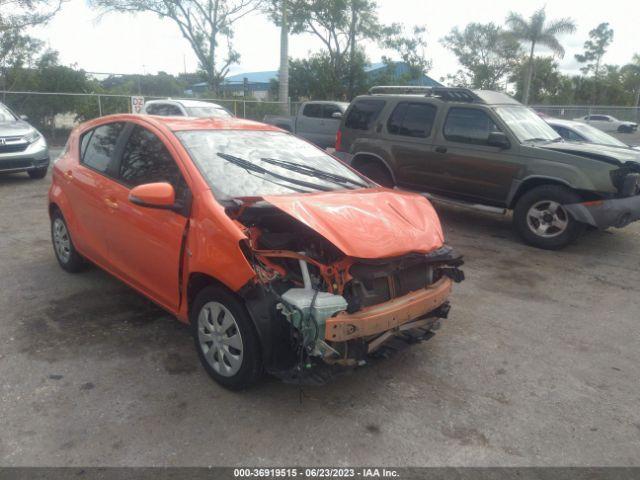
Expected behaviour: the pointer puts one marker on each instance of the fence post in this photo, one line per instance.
(244, 108)
(99, 106)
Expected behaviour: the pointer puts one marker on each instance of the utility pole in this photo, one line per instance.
(283, 74)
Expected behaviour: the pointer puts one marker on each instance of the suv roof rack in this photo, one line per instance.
(447, 94)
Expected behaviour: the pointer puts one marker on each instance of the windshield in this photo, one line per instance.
(526, 125)
(244, 163)
(594, 135)
(5, 114)
(208, 112)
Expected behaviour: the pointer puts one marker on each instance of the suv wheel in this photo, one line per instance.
(67, 255)
(225, 338)
(377, 173)
(541, 219)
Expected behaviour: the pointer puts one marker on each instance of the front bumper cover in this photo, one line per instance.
(618, 212)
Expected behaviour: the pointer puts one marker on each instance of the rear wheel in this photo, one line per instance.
(378, 173)
(225, 338)
(66, 254)
(38, 173)
(541, 219)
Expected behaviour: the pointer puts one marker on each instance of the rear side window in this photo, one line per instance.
(329, 110)
(363, 114)
(97, 146)
(568, 134)
(412, 119)
(469, 125)
(145, 159)
(313, 110)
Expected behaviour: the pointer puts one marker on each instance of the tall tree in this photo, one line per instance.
(487, 54)
(537, 31)
(341, 26)
(631, 80)
(411, 49)
(205, 24)
(279, 11)
(594, 49)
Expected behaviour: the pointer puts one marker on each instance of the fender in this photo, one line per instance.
(58, 198)
(516, 185)
(377, 157)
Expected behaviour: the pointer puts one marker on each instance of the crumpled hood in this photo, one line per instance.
(597, 152)
(371, 223)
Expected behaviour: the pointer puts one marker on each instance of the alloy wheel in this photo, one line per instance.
(547, 219)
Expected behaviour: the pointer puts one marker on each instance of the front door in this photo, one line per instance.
(472, 169)
(145, 244)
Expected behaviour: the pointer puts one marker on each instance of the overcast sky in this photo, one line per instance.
(145, 44)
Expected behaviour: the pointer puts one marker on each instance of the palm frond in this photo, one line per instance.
(551, 42)
(558, 27)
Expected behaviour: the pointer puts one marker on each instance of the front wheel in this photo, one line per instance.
(225, 338)
(376, 172)
(542, 220)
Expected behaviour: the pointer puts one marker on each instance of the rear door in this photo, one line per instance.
(145, 244)
(409, 133)
(309, 122)
(467, 166)
(329, 125)
(87, 186)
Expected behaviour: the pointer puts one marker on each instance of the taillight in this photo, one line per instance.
(338, 140)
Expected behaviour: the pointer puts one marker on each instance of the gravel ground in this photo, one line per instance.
(538, 364)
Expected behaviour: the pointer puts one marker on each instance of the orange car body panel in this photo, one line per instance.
(371, 223)
(147, 248)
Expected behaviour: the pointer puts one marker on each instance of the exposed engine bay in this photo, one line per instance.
(321, 306)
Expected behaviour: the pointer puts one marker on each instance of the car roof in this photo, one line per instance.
(186, 103)
(177, 124)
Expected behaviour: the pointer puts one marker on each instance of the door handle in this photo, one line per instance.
(441, 149)
(68, 175)
(111, 203)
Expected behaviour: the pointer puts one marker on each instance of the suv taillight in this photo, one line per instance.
(338, 140)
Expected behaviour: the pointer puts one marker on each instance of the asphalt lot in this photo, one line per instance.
(538, 364)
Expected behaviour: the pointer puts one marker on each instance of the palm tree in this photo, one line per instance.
(536, 31)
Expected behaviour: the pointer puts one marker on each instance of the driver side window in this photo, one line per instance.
(469, 125)
(145, 159)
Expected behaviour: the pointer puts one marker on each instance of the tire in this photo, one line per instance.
(542, 221)
(378, 173)
(231, 355)
(38, 173)
(66, 254)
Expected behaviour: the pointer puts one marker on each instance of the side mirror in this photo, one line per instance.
(498, 139)
(336, 115)
(24, 117)
(153, 195)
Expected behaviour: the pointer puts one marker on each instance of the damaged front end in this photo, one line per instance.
(318, 310)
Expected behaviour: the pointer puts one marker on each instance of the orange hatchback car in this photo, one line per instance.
(281, 258)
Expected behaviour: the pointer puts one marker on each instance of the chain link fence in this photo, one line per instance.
(55, 114)
(569, 112)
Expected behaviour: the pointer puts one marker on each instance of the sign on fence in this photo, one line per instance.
(136, 104)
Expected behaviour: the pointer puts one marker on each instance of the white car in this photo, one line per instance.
(185, 108)
(607, 123)
(581, 132)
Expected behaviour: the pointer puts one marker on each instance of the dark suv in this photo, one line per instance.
(484, 149)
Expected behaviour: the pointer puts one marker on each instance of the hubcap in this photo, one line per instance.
(220, 339)
(547, 219)
(61, 240)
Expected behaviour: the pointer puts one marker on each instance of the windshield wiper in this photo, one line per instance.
(313, 172)
(251, 167)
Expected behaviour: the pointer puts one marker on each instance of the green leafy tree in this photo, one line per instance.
(545, 86)
(206, 24)
(411, 50)
(537, 31)
(594, 49)
(341, 26)
(486, 53)
(631, 79)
